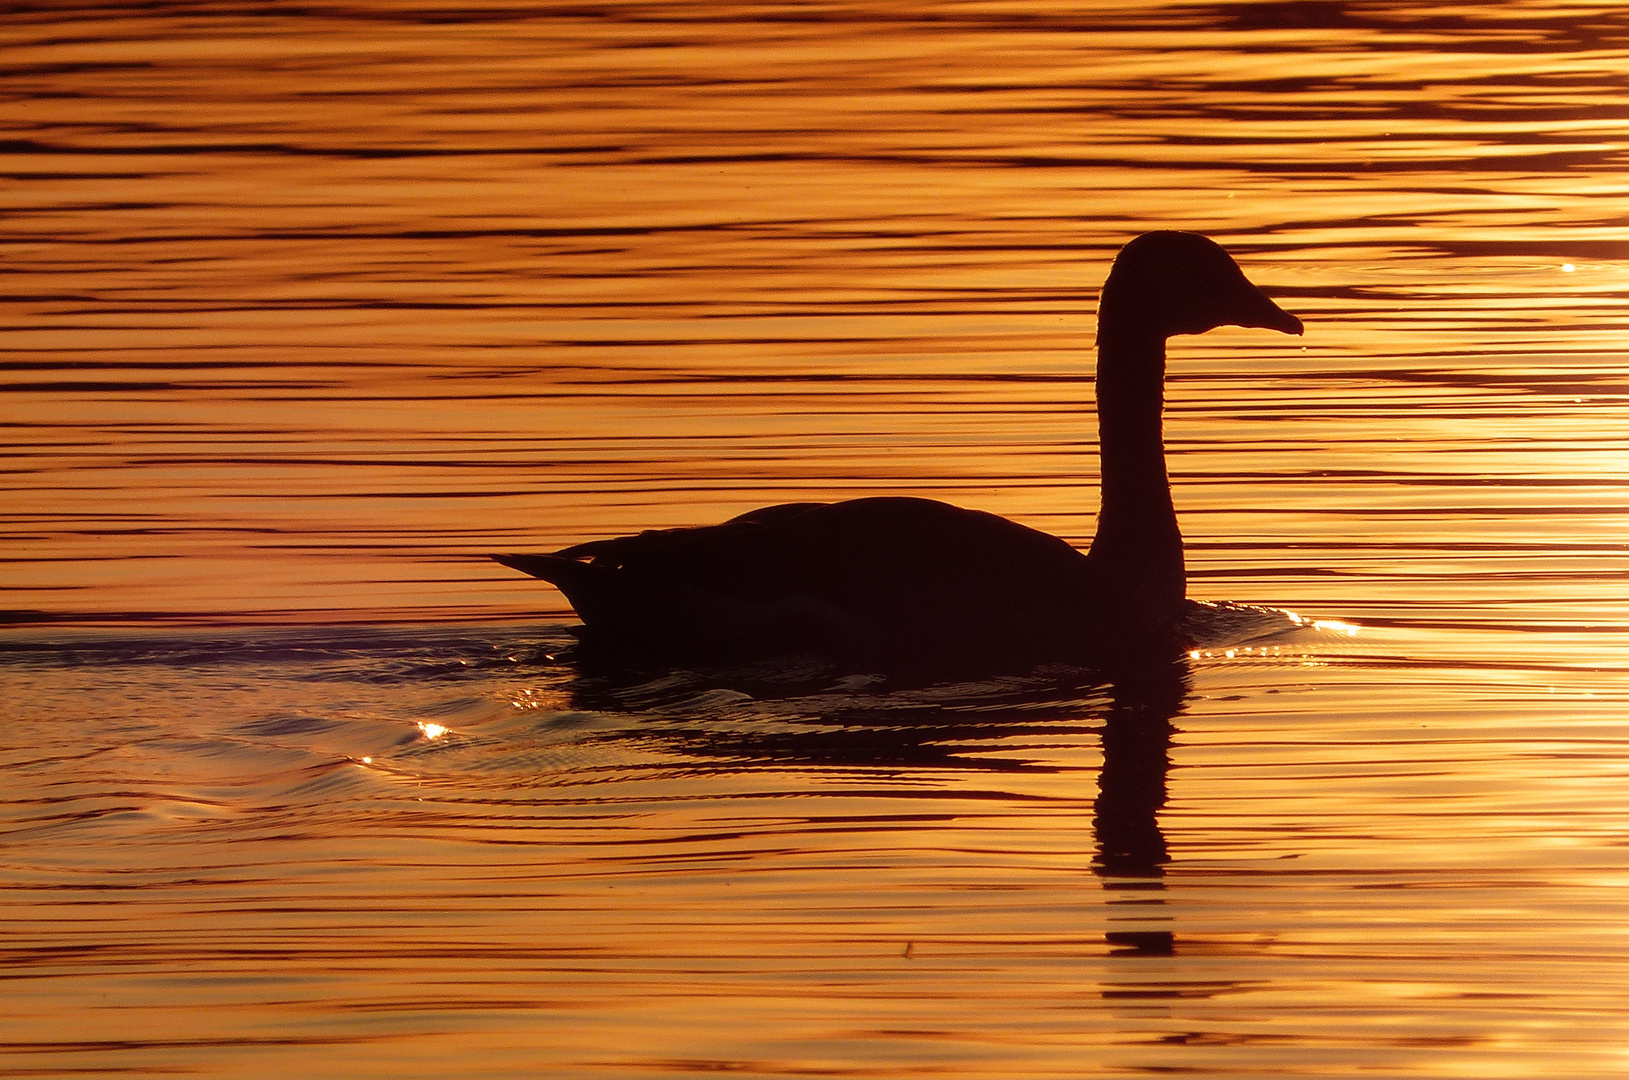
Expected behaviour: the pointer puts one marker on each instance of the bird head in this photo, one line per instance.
(1168, 283)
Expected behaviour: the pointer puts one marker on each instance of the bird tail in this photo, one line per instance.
(589, 588)
(551, 568)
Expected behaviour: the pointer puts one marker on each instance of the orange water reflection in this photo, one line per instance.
(309, 309)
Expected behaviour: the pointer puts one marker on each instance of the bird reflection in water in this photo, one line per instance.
(938, 726)
(1131, 849)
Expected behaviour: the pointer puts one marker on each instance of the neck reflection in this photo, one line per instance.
(1131, 850)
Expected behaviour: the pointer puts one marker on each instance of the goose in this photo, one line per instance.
(895, 581)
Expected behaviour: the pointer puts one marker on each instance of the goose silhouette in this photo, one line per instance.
(891, 582)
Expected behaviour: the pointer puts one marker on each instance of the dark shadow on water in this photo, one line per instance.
(1131, 848)
(808, 717)
(1136, 758)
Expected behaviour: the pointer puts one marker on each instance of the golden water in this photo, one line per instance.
(309, 308)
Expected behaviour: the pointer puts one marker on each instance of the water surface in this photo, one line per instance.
(309, 309)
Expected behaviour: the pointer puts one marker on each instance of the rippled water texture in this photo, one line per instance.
(309, 307)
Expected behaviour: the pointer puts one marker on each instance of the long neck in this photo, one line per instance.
(1138, 547)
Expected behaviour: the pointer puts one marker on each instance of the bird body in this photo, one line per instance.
(883, 578)
(903, 581)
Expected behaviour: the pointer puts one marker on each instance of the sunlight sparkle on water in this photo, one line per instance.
(1332, 626)
(432, 731)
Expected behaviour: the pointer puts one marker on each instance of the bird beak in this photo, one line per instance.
(1269, 316)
